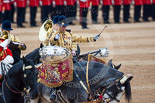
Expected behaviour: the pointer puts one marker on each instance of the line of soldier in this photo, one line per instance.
(68, 8)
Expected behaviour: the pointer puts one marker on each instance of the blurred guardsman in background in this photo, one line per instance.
(1, 10)
(52, 9)
(33, 11)
(45, 9)
(70, 11)
(75, 9)
(105, 10)
(21, 6)
(15, 45)
(59, 7)
(12, 11)
(137, 10)
(94, 10)
(117, 10)
(153, 10)
(126, 10)
(84, 5)
(7, 10)
(146, 5)
(24, 19)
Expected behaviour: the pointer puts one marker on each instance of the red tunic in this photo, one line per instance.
(117, 2)
(34, 3)
(7, 4)
(146, 1)
(1, 6)
(46, 2)
(107, 2)
(4, 53)
(138, 2)
(153, 1)
(59, 2)
(84, 4)
(12, 1)
(95, 2)
(70, 2)
(126, 2)
(21, 3)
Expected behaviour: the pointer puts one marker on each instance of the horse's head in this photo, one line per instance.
(108, 83)
(30, 77)
(113, 92)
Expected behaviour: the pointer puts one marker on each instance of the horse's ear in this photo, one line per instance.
(117, 67)
(41, 45)
(110, 63)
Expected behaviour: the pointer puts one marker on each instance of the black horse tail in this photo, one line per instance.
(128, 95)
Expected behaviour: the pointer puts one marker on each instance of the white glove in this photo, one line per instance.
(54, 4)
(5, 43)
(8, 60)
(40, 3)
(77, 2)
(133, 2)
(83, 0)
(97, 37)
(73, 52)
(57, 36)
(101, 2)
(65, 3)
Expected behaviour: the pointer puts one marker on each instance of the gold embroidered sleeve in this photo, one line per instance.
(81, 39)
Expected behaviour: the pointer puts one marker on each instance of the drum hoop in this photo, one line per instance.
(60, 60)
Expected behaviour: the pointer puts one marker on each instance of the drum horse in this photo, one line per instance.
(92, 81)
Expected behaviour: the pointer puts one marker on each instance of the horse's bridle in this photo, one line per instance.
(101, 91)
(14, 90)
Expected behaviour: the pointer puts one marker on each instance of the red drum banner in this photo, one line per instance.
(53, 74)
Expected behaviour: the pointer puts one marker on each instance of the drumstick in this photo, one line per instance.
(102, 30)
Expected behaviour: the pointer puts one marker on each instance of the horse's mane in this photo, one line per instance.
(99, 73)
(32, 54)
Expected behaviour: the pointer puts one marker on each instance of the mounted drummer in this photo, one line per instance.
(60, 37)
(15, 44)
(67, 39)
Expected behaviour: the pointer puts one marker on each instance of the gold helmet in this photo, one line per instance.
(45, 30)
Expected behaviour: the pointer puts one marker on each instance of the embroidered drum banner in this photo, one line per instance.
(53, 74)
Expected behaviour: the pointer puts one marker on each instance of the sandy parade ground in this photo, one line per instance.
(132, 45)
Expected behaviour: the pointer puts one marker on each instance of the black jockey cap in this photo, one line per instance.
(6, 25)
(63, 21)
(56, 19)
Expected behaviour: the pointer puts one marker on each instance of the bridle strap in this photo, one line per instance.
(20, 92)
(87, 79)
